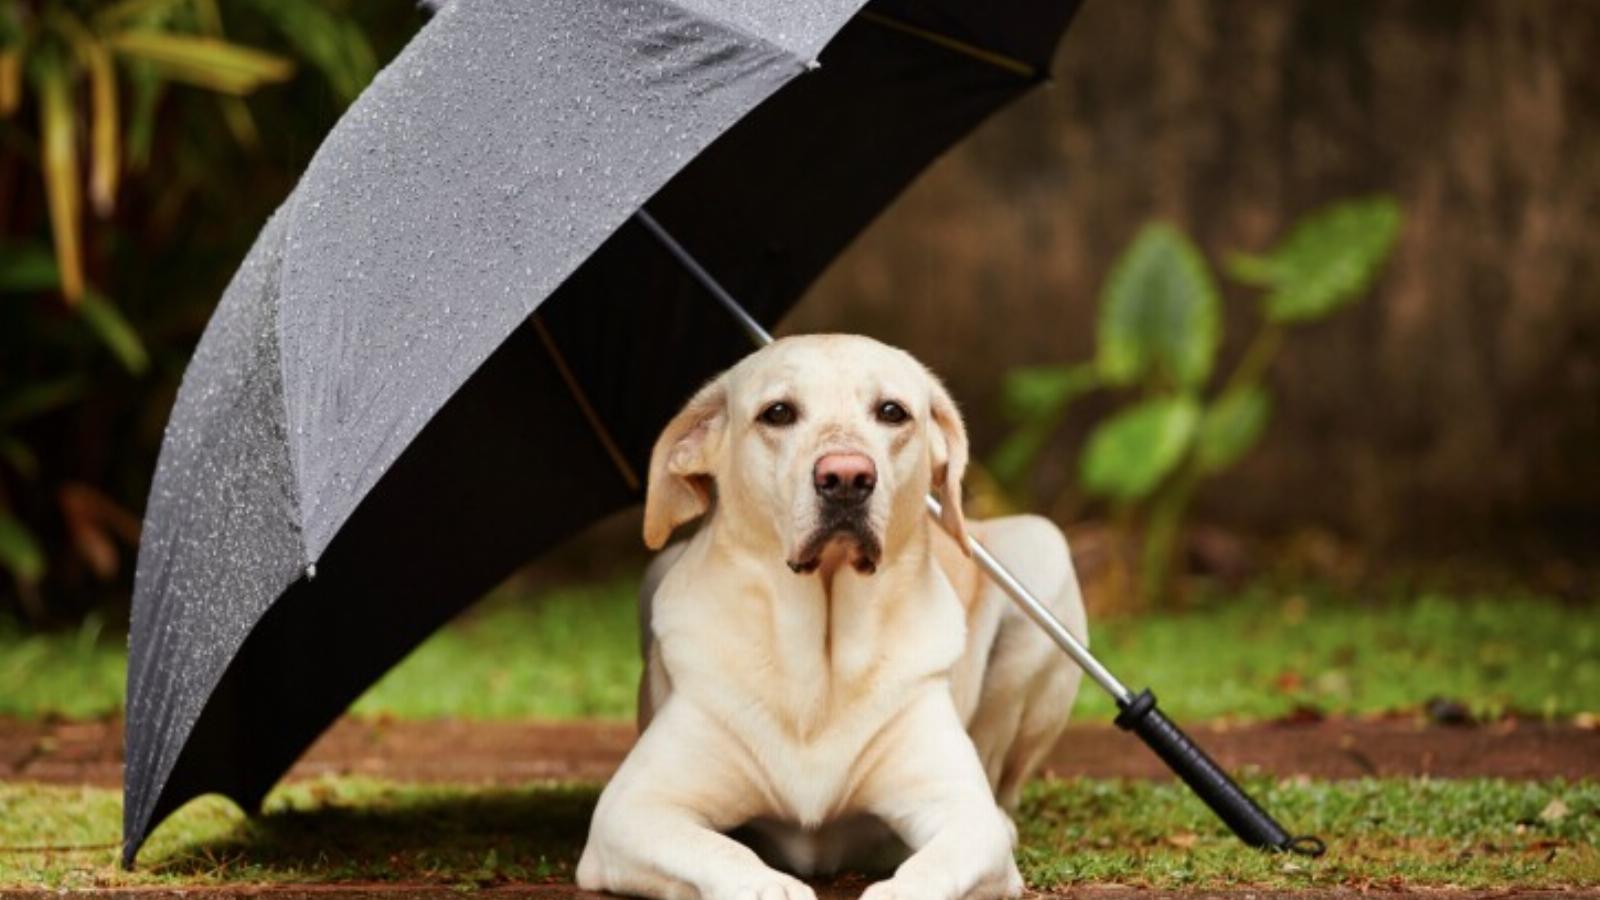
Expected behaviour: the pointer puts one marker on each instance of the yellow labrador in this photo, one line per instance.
(827, 674)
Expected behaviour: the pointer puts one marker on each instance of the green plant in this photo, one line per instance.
(1159, 329)
(83, 87)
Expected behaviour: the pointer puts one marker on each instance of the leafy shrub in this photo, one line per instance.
(100, 96)
(1159, 329)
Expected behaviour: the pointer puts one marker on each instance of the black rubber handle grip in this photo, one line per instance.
(1229, 801)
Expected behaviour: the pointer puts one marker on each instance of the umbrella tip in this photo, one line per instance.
(311, 571)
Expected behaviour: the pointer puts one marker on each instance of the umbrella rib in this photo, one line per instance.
(999, 60)
(589, 413)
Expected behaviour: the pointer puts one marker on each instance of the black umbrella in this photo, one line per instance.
(454, 343)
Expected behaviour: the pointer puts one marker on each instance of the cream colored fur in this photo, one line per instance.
(834, 718)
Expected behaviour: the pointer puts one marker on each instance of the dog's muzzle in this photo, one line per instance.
(850, 530)
(844, 482)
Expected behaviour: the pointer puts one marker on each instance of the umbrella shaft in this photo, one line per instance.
(1032, 606)
(1040, 613)
(758, 335)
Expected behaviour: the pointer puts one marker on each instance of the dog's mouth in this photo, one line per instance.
(847, 534)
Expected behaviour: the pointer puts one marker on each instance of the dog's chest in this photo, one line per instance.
(808, 723)
(807, 685)
(810, 760)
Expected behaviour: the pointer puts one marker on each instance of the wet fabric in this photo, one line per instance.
(452, 347)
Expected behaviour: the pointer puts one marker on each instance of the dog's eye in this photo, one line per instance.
(778, 414)
(892, 413)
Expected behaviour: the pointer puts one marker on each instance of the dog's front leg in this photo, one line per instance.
(657, 830)
(929, 786)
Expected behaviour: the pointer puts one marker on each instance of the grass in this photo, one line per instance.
(1264, 654)
(571, 653)
(76, 674)
(1383, 833)
(1258, 654)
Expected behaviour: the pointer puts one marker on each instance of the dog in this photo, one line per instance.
(830, 682)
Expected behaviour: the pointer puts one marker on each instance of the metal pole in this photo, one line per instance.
(1024, 598)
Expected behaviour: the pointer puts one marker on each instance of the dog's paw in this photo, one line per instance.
(902, 888)
(778, 887)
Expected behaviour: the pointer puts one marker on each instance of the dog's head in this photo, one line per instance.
(821, 447)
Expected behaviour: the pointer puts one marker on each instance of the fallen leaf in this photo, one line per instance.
(1554, 811)
(1183, 839)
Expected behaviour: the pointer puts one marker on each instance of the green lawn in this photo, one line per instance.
(1389, 832)
(1257, 654)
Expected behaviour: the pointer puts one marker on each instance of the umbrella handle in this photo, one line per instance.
(1232, 805)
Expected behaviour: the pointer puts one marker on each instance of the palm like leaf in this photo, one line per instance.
(105, 138)
(129, 30)
(10, 81)
(204, 62)
(58, 139)
(48, 48)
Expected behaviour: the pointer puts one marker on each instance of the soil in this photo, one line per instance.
(510, 752)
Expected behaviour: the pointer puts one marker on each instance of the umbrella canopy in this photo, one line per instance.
(453, 345)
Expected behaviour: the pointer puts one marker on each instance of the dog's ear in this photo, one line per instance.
(948, 444)
(682, 464)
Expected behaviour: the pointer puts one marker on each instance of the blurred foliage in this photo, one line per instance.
(182, 123)
(1157, 345)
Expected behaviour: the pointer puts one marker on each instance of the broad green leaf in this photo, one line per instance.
(115, 332)
(1328, 260)
(1030, 392)
(26, 268)
(1036, 398)
(1158, 312)
(205, 62)
(19, 551)
(1231, 425)
(1129, 454)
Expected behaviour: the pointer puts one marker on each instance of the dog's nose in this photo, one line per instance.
(844, 477)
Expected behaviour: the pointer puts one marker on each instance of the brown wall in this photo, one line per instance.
(1458, 407)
